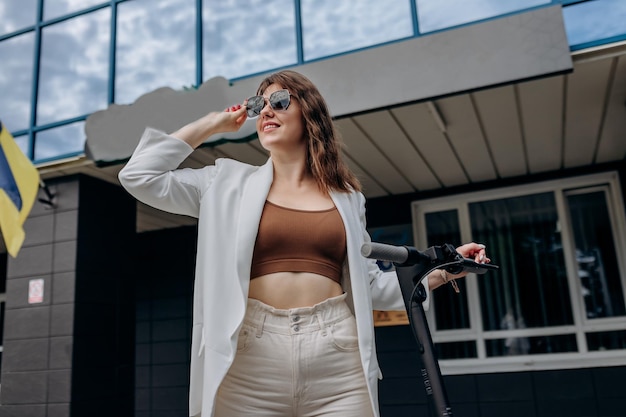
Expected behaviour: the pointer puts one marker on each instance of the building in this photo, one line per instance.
(499, 122)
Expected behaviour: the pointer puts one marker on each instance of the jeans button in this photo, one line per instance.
(295, 318)
(296, 328)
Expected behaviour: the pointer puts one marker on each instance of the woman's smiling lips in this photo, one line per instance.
(270, 125)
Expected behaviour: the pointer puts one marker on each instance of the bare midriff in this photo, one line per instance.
(285, 290)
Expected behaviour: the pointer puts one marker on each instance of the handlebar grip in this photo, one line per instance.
(384, 252)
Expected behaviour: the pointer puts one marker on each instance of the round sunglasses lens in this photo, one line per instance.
(279, 100)
(255, 105)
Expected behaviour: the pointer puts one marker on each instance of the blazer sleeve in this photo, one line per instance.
(384, 286)
(152, 175)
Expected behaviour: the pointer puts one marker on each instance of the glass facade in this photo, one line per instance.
(16, 81)
(436, 15)
(17, 15)
(330, 27)
(74, 64)
(242, 37)
(62, 140)
(69, 58)
(153, 52)
(595, 22)
(56, 8)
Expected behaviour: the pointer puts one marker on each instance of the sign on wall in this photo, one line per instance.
(35, 291)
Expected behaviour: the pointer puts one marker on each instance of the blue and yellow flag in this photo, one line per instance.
(19, 183)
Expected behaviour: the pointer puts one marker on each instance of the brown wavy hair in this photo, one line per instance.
(324, 145)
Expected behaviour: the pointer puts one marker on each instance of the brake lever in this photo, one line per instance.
(471, 266)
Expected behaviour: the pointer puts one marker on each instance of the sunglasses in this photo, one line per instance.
(279, 100)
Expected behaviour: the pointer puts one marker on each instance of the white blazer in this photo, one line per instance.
(228, 199)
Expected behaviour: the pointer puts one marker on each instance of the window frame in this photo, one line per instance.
(581, 325)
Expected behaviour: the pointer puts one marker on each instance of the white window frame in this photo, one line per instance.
(608, 181)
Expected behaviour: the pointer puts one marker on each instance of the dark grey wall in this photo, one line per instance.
(73, 351)
(38, 339)
(589, 392)
(104, 305)
(166, 261)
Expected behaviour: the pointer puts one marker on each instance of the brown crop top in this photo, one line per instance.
(299, 241)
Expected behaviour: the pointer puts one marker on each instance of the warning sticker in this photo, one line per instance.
(35, 291)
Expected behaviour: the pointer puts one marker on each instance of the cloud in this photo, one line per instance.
(440, 14)
(588, 22)
(74, 67)
(330, 27)
(244, 37)
(60, 141)
(16, 80)
(58, 8)
(153, 51)
(15, 15)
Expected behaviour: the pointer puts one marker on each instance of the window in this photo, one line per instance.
(16, 81)
(156, 47)
(560, 289)
(74, 67)
(595, 22)
(23, 142)
(60, 142)
(17, 15)
(246, 37)
(330, 27)
(442, 14)
(56, 8)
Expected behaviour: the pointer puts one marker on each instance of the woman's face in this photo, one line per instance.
(280, 130)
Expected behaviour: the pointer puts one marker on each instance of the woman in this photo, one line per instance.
(283, 299)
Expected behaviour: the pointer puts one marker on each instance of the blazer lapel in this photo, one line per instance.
(252, 203)
(342, 202)
(352, 281)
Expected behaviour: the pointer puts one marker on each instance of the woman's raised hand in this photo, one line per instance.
(229, 120)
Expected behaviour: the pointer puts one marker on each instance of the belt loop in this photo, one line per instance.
(320, 320)
(260, 324)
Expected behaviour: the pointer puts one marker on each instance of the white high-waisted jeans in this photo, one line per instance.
(300, 362)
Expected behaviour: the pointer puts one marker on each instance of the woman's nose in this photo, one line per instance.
(267, 109)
